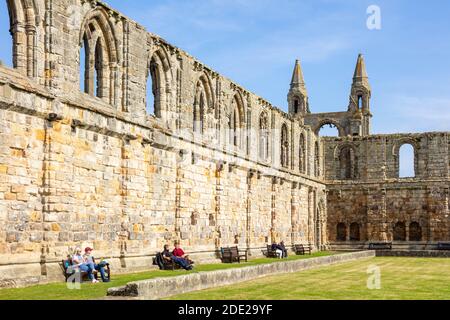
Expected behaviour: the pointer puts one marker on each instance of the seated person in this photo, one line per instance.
(79, 263)
(178, 252)
(99, 267)
(279, 252)
(169, 256)
(282, 247)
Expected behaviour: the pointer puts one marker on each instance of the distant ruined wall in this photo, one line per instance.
(211, 167)
(364, 188)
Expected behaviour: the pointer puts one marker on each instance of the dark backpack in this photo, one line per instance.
(158, 261)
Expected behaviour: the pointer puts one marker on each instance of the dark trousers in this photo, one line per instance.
(102, 271)
(182, 263)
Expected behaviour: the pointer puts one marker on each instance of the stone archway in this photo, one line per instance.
(331, 122)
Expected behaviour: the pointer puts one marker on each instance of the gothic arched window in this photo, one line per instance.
(284, 146)
(264, 136)
(23, 28)
(407, 161)
(316, 160)
(202, 104)
(236, 121)
(302, 154)
(347, 163)
(101, 57)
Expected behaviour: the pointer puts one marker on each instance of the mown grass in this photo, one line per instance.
(401, 279)
(59, 291)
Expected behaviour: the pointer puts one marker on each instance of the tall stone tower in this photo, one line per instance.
(298, 96)
(360, 100)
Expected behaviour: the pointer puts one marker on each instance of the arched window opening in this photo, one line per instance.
(6, 53)
(264, 137)
(100, 57)
(152, 88)
(302, 154)
(22, 16)
(236, 121)
(360, 102)
(328, 130)
(203, 104)
(400, 231)
(347, 163)
(199, 113)
(341, 232)
(317, 160)
(415, 232)
(296, 105)
(407, 161)
(284, 146)
(84, 70)
(355, 232)
(155, 89)
(98, 70)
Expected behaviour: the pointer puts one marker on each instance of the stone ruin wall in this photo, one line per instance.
(77, 170)
(377, 199)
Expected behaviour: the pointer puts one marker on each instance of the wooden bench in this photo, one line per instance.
(170, 265)
(301, 249)
(443, 246)
(380, 246)
(69, 270)
(233, 254)
(269, 253)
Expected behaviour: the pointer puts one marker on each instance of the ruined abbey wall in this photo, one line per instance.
(86, 160)
(364, 189)
(215, 165)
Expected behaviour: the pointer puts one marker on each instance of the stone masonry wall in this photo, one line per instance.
(378, 200)
(85, 159)
(95, 168)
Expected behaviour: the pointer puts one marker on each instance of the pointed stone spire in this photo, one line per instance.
(297, 76)
(298, 95)
(360, 76)
(360, 99)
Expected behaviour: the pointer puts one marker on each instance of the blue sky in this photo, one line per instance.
(255, 43)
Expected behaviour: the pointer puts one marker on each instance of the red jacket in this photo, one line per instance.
(178, 252)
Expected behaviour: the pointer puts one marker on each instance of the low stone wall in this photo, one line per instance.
(159, 288)
(414, 253)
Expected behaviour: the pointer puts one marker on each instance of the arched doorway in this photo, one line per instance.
(415, 232)
(355, 232)
(341, 232)
(399, 233)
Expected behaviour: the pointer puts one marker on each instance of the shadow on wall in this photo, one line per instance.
(5, 36)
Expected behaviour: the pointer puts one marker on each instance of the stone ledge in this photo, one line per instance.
(159, 288)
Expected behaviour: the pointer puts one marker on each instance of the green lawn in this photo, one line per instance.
(401, 278)
(59, 291)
